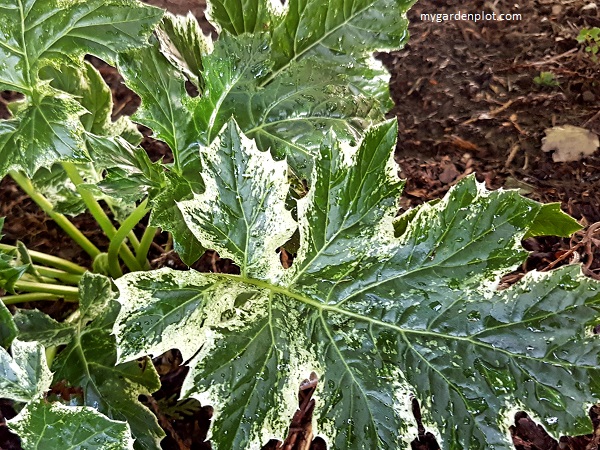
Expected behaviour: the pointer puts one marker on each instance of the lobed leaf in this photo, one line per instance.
(379, 317)
(184, 44)
(42, 134)
(89, 361)
(285, 73)
(42, 425)
(342, 35)
(241, 213)
(41, 40)
(84, 83)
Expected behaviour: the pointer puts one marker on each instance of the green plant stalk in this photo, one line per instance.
(145, 243)
(50, 260)
(25, 184)
(29, 286)
(50, 354)
(135, 243)
(65, 277)
(30, 297)
(100, 216)
(117, 241)
(38, 279)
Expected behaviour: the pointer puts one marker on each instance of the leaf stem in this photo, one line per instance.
(135, 243)
(99, 214)
(38, 279)
(28, 286)
(30, 297)
(50, 355)
(50, 260)
(58, 274)
(117, 241)
(145, 243)
(25, 184)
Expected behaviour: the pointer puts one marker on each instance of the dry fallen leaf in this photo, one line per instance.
(569, 142)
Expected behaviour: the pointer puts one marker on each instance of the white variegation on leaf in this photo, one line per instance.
(286, 73)
(41, 426)
(88, 361)
(24, 375)
(39, 35)
(184, 44)
(378, 317)
(241, 213)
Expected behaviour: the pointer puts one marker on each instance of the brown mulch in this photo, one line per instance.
(466, 103)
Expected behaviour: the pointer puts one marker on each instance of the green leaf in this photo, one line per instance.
(341, 36)
(42, 425)
(90, 90)
(84, 83)
(165, 104)
(184, 44)
(291, 114)
(43, 40)
(286, 75)
(34, 325)
(90, 361)
(339, 31)
(24, 375)
(551, 221)
(244, 198)
(233, 67)
(131, 174)
(244, 16)
(8, 329)
(41, 31)
(166, 214)
(380, 318)
(45, 132)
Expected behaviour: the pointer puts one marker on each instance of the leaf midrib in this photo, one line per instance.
(431, 266)
(322, 307)
(300, 54)
(25, 56)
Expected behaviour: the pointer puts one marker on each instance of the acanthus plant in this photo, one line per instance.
(382, 308)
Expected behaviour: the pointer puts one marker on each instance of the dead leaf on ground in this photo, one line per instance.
(569, 143)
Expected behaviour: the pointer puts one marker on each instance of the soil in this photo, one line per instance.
(466, 102)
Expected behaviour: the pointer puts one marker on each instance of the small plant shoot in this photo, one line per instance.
(286, 146)
(546, 79)
(590, 38)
